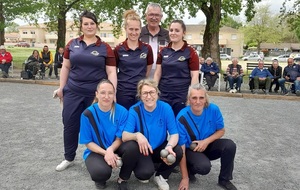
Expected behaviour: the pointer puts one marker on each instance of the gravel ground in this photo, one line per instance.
(264, 130)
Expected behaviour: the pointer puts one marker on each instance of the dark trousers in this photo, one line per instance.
(5, 67)
(56, 66)
(237, 80)
(199, 162)
(100, 171)
(43, 68)
(73, 106)
(210, 79)
(275, 81)
(126, 100)
(145, 167)
(176, 100)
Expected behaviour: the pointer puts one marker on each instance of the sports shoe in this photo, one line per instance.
(144, 181)
(267, 92)
(122, 185)
(64, 165)
(161, 183)
(231, 91)
(100, 185)
(298, 93)
(234, 91)
(227, 185)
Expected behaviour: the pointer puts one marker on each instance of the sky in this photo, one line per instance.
(274, 7)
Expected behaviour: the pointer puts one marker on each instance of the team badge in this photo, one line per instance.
(95, 53)
(76, 46)
(181, 58)
(125, 55)
(143, 55)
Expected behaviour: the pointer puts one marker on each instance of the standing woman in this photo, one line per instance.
(102, 153)
(87, 60)
(134, 60)
(177, 68)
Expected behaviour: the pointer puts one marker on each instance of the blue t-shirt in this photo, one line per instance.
(207, 123)
(108, 130)
(156, 123)
(132, 65)
(88, 65)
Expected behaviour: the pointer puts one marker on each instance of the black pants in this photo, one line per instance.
(100, 171)
(275, 81)
(56, 66)
(126, 100)
(145, 165)
(210, 79)
(199, 162)
(176, 100)
(43, 68)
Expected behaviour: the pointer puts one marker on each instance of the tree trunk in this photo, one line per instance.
(2, 24)
(61, 30)
(211, 46)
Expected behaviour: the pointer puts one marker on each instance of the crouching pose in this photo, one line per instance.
(149, 122)
(201, 127)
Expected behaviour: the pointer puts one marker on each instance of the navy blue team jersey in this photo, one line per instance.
(88, 65)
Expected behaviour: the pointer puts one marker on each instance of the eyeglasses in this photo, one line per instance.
(154, 15)
(152, 93)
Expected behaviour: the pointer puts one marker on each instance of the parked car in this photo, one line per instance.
(225, 56)
(282, 58)
(295, 54)
(252, 57)
(22, 44)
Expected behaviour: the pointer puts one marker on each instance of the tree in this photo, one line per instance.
(291, 16)
(12, 27)
(263, 27)
(12, 9)
(231, 22)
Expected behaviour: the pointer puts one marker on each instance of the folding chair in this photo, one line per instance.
(218, 81)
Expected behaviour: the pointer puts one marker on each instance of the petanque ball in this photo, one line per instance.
(164, 153)
(171, 158)
(119, 163)
(193, 146)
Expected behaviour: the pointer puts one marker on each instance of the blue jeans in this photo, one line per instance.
(237, 80)
(283, 80)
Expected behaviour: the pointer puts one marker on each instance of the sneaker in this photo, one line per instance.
(144, 181)
(64, 165)
(122, 185)
(298, 93)
(255, 92)
(231, 91)
(267, 92)
(227, 185)
(100, 185)
(161, 183)
(234, 91)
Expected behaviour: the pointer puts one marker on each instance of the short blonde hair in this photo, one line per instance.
(148, 82)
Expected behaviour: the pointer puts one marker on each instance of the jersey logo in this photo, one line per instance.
(95, 53)
(76, 46)
(125, 55)
(166, 56)
(181, 58)
(143, 55)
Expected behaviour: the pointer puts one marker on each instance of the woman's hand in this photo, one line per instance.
(111, 158)
(144, 145)
(184, 184)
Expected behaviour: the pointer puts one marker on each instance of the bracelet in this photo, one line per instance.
(169, 145)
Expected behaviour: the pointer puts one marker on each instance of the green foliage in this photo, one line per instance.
(291, 16)
(231, 22)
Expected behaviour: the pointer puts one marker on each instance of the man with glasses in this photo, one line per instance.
(153, 33)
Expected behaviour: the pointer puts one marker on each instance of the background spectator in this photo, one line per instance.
(5, 61)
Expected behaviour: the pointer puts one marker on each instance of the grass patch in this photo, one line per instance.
(20, 54)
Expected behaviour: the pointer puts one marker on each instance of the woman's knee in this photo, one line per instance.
(230, 145)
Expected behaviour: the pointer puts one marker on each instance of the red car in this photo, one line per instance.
(22, 44)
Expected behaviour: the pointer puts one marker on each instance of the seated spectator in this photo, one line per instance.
(210, 70)
(201, 62)
(291, 73)
(58, 60)
(5, 61)
(101, 128)
(34, 62)
(261, 76)
(47, 57)
(235, 74)
(148, 125)
(202, 124)
(276, 71)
